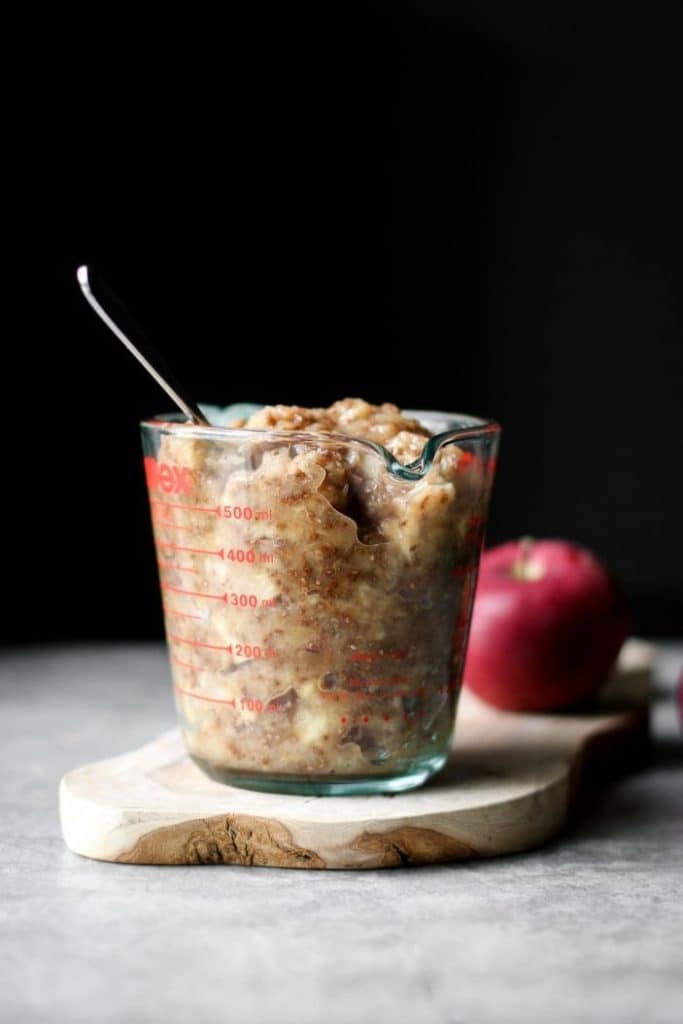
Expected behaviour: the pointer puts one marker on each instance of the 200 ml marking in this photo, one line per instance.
(238, 650)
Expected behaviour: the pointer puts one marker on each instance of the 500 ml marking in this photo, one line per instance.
(246, 512)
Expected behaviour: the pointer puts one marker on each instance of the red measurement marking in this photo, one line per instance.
(192, 551)
(246, 555)
(185, 664)
(199, 643)
(346, 696)
(368, 718)
(376, 656)
(160, 521)
(195, 593)
(252, 651)
(245, 512)
(395, 680)
(178, 568)
(214, 510)
(183, 615)
(201, 696)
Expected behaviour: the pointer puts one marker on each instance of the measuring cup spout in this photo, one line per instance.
(465, 430)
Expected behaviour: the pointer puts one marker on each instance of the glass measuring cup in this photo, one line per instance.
(317, 597)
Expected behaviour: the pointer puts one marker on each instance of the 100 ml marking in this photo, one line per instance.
(245, 703)
(254, 705)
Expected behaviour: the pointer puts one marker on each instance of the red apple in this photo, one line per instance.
(547, 625)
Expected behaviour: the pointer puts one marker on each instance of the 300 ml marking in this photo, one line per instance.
(227, 597)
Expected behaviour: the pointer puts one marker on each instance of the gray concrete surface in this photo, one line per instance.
(588, 929)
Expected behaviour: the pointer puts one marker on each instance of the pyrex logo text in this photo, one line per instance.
(164, 476)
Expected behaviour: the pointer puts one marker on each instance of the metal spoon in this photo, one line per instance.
(99, 295)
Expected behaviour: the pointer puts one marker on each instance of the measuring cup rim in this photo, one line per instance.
(468, 428)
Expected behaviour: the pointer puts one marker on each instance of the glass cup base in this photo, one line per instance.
(304, 785)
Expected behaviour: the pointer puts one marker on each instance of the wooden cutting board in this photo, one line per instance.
(509, 786)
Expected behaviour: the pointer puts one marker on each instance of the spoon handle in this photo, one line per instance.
(102, 298)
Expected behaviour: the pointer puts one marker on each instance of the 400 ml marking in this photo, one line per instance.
(247, 556)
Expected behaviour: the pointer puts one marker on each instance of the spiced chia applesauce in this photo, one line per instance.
(317, 569)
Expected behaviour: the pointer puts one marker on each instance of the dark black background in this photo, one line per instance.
(495, 185)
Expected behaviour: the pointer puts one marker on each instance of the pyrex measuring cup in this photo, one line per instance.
(317, 598)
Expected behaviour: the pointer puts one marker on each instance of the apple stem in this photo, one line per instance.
(520, 569)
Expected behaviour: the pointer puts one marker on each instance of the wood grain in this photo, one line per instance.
(508, 787)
